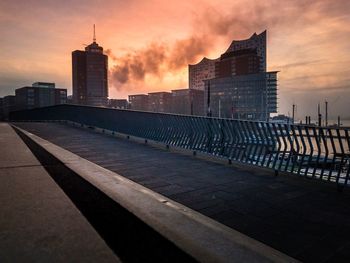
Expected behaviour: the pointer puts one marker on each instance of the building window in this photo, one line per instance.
(30, 101)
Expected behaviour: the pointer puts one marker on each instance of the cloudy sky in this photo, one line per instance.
(150, 43)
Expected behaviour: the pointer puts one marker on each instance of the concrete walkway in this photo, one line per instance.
(38, 222)
(308, 220)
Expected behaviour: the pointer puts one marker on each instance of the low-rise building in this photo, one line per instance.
(8, 105)
(159, 101)
(188, 102)
(70, 99)
(118, 103)
(40, 94)
(138, 102)
(1, 110)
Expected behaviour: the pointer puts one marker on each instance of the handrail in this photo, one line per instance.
(311, 151)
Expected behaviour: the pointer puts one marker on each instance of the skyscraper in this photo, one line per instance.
(89, 75)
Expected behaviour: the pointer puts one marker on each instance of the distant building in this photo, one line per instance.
(257, 42)
(282, 119)
(240, 87)
(188, 102)
(181, 101)
(40, 94)
(138, 102)
(242, 57)
(1, 109)
(251, 96)
(118, 103)
(44, 85)
(70, 99)
(201, 71)
(8, 105)
(241, 62)
(90, 67)
(159, 101)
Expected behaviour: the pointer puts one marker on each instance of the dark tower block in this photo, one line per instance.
(89, 75)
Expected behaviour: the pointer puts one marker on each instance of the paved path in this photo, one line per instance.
(38, 222)
(305, 219)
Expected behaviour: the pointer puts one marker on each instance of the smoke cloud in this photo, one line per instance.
(156, 59)
(135, 65)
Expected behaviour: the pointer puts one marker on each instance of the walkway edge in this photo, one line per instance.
(201, 237)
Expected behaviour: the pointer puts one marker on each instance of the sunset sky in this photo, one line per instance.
(150, 43)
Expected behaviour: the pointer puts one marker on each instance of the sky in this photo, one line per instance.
(150, 44)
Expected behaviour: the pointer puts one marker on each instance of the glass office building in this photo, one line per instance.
(249, 97)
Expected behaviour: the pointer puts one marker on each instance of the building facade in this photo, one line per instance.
(187, 102)
(138, 102)
(8, 105)
(201, 71)
(159, 101)
(1, 109)
(238, 86)
(89, 76)
(242, 57)
(40, 94)
(249, 97)
(118, 104)
(241, 62)
(257, 42)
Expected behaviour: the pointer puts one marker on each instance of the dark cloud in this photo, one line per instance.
(187, 50)
(135, 65)
(157, 59)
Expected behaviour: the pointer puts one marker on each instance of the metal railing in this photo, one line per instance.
(314, 152)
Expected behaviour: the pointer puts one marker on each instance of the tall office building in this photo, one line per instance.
(89, 68)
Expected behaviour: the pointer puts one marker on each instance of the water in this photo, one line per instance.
(343, 123)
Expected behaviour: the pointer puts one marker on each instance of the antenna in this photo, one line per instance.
(326, 102)
(319, 115)
(94, 34)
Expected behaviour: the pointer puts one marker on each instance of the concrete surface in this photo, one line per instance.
(305, 219)
(201, 237)
(38, 223)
